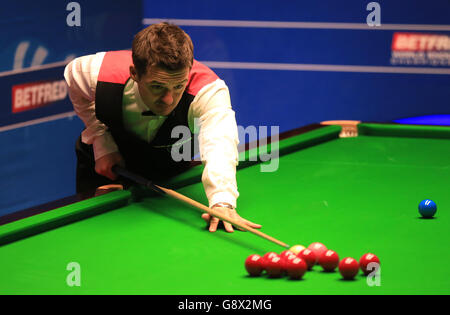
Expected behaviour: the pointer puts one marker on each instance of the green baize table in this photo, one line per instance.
(355, 195)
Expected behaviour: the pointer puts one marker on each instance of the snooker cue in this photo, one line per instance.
(164, 191)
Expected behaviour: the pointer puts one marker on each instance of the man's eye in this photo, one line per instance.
(156, 87)
(179, 87)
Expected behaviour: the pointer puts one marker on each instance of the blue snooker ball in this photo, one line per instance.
(427, 208)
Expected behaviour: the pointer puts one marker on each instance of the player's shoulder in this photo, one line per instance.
(200, 76)
(86, 62)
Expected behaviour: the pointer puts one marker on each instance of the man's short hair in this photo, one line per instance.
(163, 45)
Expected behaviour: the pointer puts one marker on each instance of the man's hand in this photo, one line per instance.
(103, 165)
(231, 213)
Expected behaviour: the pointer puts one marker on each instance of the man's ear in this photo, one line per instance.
(133, 73)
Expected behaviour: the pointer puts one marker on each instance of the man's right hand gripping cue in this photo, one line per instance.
(103, 165)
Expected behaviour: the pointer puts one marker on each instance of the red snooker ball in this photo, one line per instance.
(274, 267)
(296, 268)
(318, 248)
(267, 257)
(348, 268)
(365, 260)
(286, 258)
(253, 265)
(286, 253)
(329, 260)
(309, 257)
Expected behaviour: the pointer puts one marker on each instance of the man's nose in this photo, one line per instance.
(168, 98)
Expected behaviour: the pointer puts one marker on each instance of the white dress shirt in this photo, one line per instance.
(218, 135)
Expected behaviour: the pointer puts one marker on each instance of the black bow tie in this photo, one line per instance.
(148, 113)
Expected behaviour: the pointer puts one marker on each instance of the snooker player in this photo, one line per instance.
(130, 101)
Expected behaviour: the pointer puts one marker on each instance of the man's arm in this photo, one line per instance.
(81, 76)
(218, 140)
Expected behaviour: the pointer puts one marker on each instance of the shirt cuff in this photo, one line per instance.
(222, 197)
(104, 145)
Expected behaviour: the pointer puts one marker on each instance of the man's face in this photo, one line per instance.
(160, 89)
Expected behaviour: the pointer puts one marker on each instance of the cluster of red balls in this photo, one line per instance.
(298, 259)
